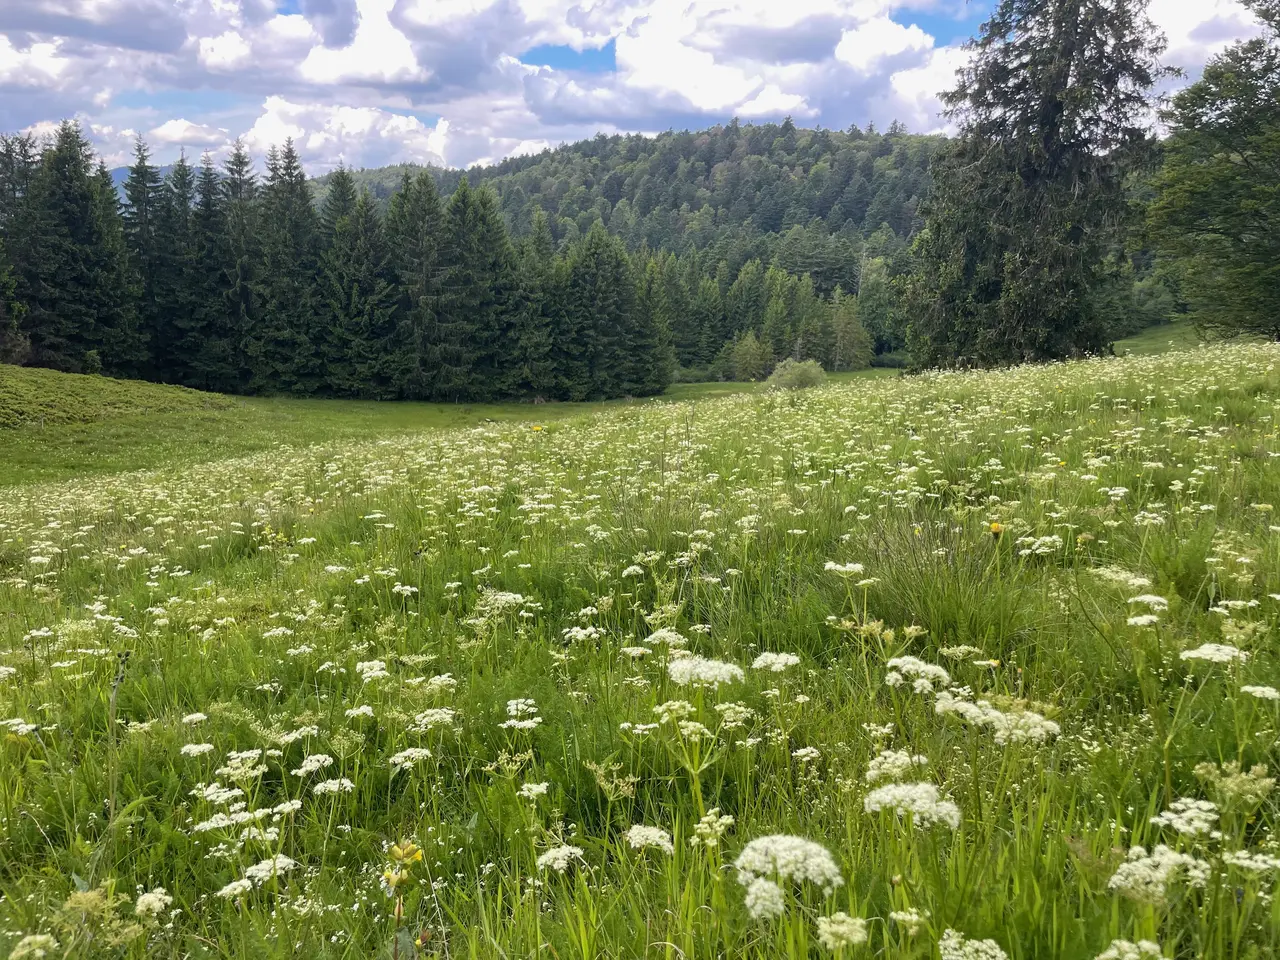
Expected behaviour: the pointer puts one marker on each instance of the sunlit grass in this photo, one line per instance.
(1022, 624)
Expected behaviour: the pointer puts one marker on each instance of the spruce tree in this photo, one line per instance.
(14, 347)
(706, 322)
(466, 304)
(602, 302)
(122, 347)
(414, 225)
(149, 261)
(365, 345)
(284, 355)
(240, 244)
(650, 358)
(532, 373)
(339, 202)
(1029, 200)
(175, 231)
(498, 322)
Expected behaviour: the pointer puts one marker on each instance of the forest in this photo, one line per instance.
(612, 266)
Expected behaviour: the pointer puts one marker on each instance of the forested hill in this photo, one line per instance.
(803, 199)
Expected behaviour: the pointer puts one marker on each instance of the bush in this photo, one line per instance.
(796, 375)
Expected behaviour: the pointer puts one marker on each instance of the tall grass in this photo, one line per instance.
(1022, 607)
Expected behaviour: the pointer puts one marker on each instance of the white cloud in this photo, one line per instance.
(378, 51)
(358, 136)
(185, 133)
(224, 51)
(870, 43)
(37, 65)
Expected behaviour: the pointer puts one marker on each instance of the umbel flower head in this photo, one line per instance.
(785, 857)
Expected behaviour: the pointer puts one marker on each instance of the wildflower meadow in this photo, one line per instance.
(964, 666)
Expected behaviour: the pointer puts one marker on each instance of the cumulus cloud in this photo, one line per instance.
(369, 82)
(187, 134)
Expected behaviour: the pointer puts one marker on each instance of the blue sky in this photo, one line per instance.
(456, 82)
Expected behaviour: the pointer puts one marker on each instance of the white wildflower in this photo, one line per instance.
(921, 800)
(640, 837)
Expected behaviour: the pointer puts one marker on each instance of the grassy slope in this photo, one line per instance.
(55, 425)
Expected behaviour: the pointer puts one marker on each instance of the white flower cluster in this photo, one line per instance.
(1191, 818)
(317, 761)
(708, 831)
(1127, 950)
(782, 856)
(521, 715)
(774, 662)
(1145, 877)
(1023, 726)
(703, 672)
(667, 635)
(893, 765)
(841, 930)
(924, 677)
(430, 719)
(405, 759)
(258, 874)
(1215, 653)
(921, 800)
(1253, 862)
(955, 946)
(152, 903)
(559, 858)
(641, 837)
(1262, 693)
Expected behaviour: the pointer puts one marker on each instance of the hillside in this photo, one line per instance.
(30, 396)
(738, 190)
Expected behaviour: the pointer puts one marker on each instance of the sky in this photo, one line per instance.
(459, 82)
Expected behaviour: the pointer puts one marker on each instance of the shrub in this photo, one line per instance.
(796, 375)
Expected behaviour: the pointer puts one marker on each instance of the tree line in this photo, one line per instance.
(216, 279)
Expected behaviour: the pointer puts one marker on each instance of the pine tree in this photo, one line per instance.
(240, 245)
(414, 226)
(14, 347)
(650, 359)
(211, 317)
(73, 277)
(1030, 199)
(365, 344)
(602, 301)
(532, 373)
(149, 261)
(450, 341)
(498, 322)
(175, 232)
(123, 345)
(339, 202)
(284, 354)
(706, 324)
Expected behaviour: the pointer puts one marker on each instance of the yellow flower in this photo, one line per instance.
(393, 877)
(537, 427)
(997, 529)
(406, 852)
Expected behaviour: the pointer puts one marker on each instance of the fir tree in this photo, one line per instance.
(149, 261)
(1028, 202)
(414, 228)
(366, 348)
(339, 202)
(532, 373)
(122, 347)
(284, 355)
(240, 245)
(602, 302)
(450, 341)
(650, 359)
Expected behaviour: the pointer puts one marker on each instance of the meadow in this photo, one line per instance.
(958, 666)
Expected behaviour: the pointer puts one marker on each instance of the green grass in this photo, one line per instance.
(58, 426)
(1024, 627)
(1178, 335)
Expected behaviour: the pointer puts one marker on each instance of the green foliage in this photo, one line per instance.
(796, 375)
(749, 359)
(1217, 209)
(1029, 201)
